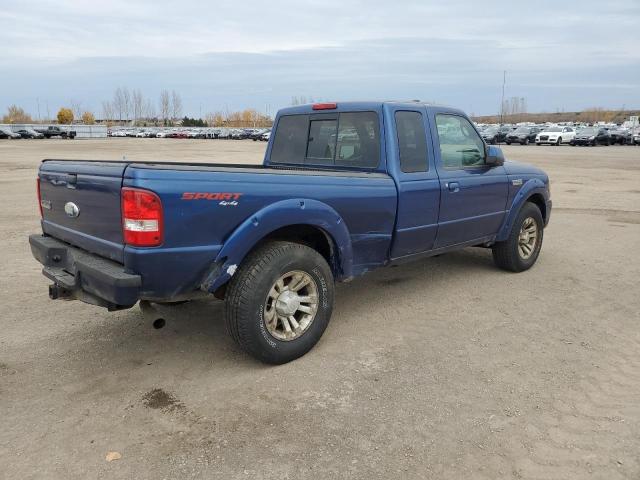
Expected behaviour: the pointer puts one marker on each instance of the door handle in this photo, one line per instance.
(454, 187)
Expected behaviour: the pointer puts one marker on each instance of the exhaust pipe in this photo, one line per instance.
(149, 312)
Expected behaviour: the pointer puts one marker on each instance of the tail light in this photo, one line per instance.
(142, 224)
(39, 196)
(324, 106)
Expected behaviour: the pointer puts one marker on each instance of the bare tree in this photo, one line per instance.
(165, 106)
(118, 103)
(149, 110)
(127, 104)
(176, 105)
(76, 108)
(108, 111)
(137, 101)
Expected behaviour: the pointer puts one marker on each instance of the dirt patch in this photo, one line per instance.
(5, 370)
(388, 282)
(158, 399)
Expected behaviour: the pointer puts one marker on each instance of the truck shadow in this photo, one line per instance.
(194, 341)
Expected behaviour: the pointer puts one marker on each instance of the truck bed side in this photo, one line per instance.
(204, 205)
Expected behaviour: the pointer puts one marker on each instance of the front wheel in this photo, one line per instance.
(559, 142)
(521, 249)
(279, 302)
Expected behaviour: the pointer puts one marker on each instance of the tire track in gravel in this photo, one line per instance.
(592, 429)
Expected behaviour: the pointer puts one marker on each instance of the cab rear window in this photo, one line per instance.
(342, 140)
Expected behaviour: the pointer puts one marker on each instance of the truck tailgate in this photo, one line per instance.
(81, 204)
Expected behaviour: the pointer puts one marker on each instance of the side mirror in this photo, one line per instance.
(494, 157)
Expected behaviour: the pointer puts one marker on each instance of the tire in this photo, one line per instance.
(508, 143)
(559, 142)
(248, 301)
(526, 141)
(507, 254)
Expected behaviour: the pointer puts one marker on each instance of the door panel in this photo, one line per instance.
(474, 208)
(411, 163)
(473, 196)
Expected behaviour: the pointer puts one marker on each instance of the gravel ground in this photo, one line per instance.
(445, 368)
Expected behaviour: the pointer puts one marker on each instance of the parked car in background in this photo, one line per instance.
(265, 136)
(29, 132)
(55, 131)
(5, 132)
(555, 135)
(592, 136)
(636, 138)
(522, 135)
(621, 135)
(256, 134)
(494, 134)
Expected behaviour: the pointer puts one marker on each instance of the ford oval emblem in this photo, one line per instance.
(71, 209)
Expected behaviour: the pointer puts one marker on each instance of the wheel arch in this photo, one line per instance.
(533, 191)
(305, 221)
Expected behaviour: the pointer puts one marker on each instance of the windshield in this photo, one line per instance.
(522, 130)
(588, 131)
(490, 130)
(553, 129)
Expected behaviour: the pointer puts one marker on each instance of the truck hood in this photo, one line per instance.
(517, 168)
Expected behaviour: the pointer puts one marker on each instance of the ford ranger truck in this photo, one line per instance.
(345, 188)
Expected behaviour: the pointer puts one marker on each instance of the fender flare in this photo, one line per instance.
(531, 187)
(294, 211)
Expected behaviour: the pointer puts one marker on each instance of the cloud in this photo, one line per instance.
(254, 54)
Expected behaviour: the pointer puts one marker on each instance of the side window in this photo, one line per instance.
(290, 140)
(412, 142)
(460, 145)
(358, 144)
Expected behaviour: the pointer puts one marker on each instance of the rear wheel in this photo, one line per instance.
(279, 302)
(521, 248)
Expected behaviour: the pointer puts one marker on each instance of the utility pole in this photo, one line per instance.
(504, 81)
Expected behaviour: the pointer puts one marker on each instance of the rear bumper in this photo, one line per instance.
(79, 275)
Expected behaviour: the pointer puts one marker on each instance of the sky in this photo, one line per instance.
(558, 55)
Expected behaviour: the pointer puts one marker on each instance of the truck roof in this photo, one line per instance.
(364, 105)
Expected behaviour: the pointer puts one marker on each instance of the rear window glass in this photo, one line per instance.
(344, 140)
(321, 144)
(412, 142)
(290, 143)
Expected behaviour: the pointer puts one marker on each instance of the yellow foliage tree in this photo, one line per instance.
(88, 118)
(65, 116)
(16, 114)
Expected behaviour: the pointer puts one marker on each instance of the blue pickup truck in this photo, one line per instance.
(345, 188)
